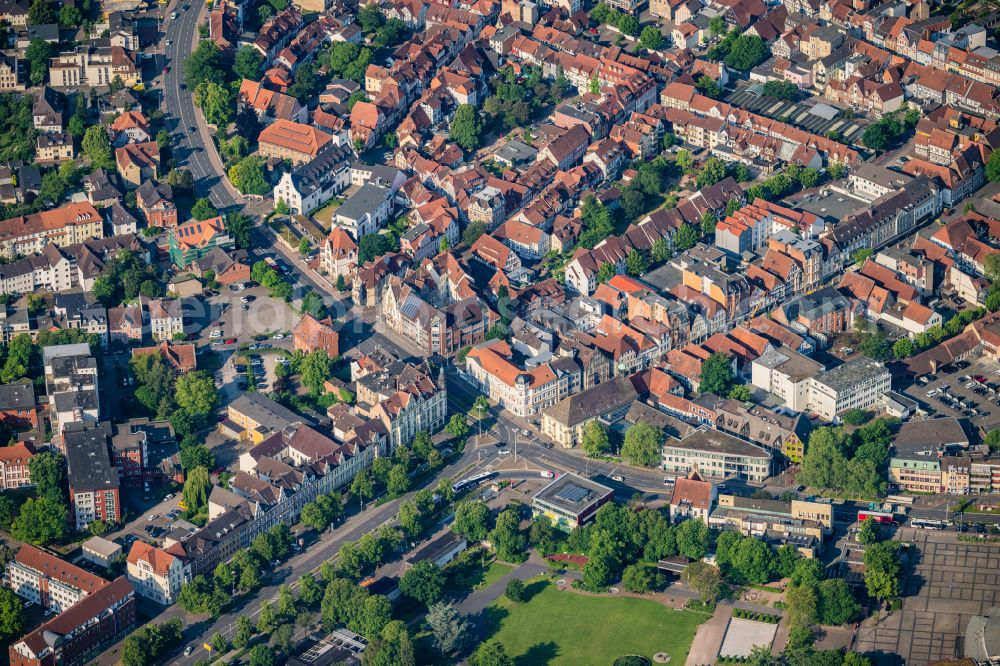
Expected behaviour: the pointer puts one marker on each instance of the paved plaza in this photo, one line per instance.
(946, 584)
(742, 636)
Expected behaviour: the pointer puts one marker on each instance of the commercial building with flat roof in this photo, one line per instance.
(570, 501)
(93, 481)
(785, 373)
(856, 384)
(716, 454)
(798, 522)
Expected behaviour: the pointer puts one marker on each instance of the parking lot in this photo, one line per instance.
(228, 317)
(967, 390)
(946, 583)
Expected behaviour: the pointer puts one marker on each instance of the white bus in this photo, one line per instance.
(929, 524)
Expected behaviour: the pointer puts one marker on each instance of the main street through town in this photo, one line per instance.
(192, 144)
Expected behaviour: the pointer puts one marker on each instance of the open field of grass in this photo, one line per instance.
(563, 628)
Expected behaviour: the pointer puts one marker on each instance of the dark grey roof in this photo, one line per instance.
(926, 437)
(364, 202)
(715, 441)
(89, 465)
(19, 396)
(118, 215)
(311, 176)
(815, 305)
(436, 548)
(572, 494)
(594, 402)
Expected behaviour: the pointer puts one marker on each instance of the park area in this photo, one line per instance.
(566, 628)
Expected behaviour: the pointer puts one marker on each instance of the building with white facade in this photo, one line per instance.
(785, 373)
(49, 581)
(716, 454)
(156, 574)
(854, 385)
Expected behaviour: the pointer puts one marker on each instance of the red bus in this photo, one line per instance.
(878, 516)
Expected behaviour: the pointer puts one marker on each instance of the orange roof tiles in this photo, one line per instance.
(294, 136)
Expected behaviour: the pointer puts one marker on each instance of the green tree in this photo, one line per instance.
(398, 482)
(515, 590)
(861, 255)
(457, 426)
(704, 579)
(48, 474)
(216, 101)
(803, 606)
(882, 570)
(808, 178)
(244, 632)
(902, 349)
(248, 176)
(595, 438)
(825, 462)
(629, 25)
(472, 520)
(362, 486)
(38, 55)
(423, 582)
(450, 630)
(195, 492)
(868, 532)
(752, 560)
(716, 375)
(466, 127)
(11, 615)
(605, 273)
(317, 368)
(507, 538)
(693, 539)
(196, 393)
(747, 52)
(836, 603)
(639, 578)
(642, 445)
(491, 652)
(41, 12)
(41, 521)
(993, 167)
(247, 63)
(203, 210)
(204, 65)
(472, 232)
(635, 263)
(260, 655)
(370, 17)
(992, 440)
(650, 38)
(97, 146)
(660, 251)
(685, 238)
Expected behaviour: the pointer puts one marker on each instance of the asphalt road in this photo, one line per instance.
(192, 145)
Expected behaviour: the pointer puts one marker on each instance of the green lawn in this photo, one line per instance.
(563, 628)
(494, 572)
(467, 572)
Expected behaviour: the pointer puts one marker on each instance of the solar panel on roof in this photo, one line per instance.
(573, 494)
